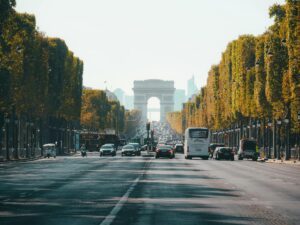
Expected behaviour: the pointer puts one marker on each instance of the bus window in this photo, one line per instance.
(198, 133)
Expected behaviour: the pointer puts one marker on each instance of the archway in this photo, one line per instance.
(163, 90)
(153, 109)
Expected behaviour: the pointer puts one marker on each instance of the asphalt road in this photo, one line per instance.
(142, 190)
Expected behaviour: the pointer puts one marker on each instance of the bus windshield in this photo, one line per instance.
(198, 133)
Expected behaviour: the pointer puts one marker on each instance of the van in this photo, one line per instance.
(247, 149)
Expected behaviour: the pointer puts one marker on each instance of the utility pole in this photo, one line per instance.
(148, 129)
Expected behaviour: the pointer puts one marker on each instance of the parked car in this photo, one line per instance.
(165, 151)
(212, 148)
(107, 149)
(128, 150)
(179, 148)
(223, 153)
(49, 150)
(137, 147)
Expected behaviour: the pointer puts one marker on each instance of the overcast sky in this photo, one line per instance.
(125, 40)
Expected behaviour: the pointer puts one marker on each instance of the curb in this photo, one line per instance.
(288, 162)
(21, 160)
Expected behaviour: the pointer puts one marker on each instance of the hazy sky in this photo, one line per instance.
(125, 40)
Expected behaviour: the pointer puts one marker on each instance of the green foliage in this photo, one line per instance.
(97, 112)
(39, 76)
(278, 12)
(257, 78)
(132, 122)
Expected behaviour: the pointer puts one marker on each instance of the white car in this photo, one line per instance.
(49, 150)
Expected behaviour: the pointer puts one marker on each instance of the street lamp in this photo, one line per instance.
(287, 154)
(279, 140)
(269, 139)
(299, 137)
(7, 120)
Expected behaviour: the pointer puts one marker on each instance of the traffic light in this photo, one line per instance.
(152, 134)
(148, 126)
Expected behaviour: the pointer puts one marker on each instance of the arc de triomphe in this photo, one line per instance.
(163, 90)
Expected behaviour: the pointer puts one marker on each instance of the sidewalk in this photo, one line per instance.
(290, 162)
(20, 160)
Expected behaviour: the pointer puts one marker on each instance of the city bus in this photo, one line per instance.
(196, 142)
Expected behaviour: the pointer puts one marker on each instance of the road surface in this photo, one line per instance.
(143, 190)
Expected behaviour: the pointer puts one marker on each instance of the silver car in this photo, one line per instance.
(107, 149)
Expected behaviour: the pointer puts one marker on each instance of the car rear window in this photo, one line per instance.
(250, 145)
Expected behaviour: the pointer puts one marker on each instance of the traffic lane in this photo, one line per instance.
(77, 190)
(275, 187)
(178, 191)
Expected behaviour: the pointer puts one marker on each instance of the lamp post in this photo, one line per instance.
(7, 120)
(269, 138)
(16, 138)
(287, 144)
(298, 136)
(279, 140)
(258, 132)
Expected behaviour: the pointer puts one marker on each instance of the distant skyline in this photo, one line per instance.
(122, 41)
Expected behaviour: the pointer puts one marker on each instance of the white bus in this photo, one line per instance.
(196, 142)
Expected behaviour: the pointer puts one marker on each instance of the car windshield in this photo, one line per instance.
(135, 144)
(128, 147)
(108, 145)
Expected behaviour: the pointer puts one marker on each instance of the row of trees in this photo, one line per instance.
(40, 76)
(258, 78)
(98, 112)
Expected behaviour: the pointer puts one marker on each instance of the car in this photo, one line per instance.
(49, 150)
(112, 145)
(144, 148)
(107, 149)
(164, 151)
(248, 149)
(128, 150)
(223, 153)
(179, 148)
(212, 148)
(137, 147)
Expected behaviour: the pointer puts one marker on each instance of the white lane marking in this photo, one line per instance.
(113, 214)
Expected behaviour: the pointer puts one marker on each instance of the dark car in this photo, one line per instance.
(212, 148)
(179, 148)
(107, 149)
(223, 153)
(128, 150)
(165, 151)
(137, 147)
(248, 149)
